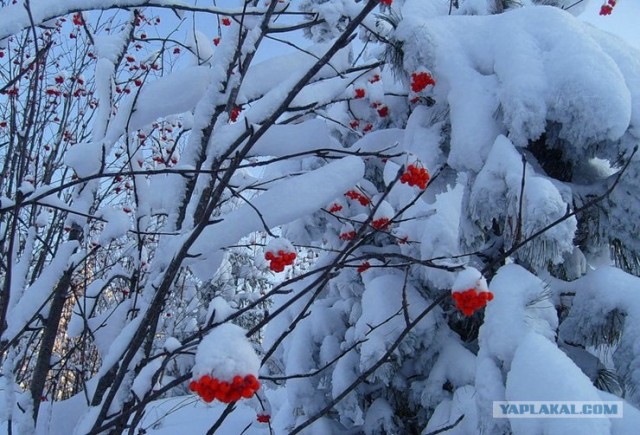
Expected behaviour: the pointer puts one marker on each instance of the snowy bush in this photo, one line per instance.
(210, 223)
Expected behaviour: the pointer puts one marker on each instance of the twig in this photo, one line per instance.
(446, 428)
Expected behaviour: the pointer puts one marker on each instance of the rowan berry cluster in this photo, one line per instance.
(235, 112)
(357, 196)
(364, 266)
(210, 388)
(420, 80)
(263, 418)
(607, 8)
(469, 301)
(348, 235)
(335, 207)
(279, 260)
(381, 223)
(415, 176)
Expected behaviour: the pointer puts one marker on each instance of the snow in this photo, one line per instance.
(540, 371)
(496, 195)
(171, 344)
(302, 194)
(599, 294)
(504, 83)
(167, 96)
(36, 296)
(382, 310)
(143, 383)
(455, 364)
(224, 353)
(518, 307)
(469, 278)
(380, 417)
(449, 410)
(117, 224)
(266, 75)
(187, 414)
(571, 78)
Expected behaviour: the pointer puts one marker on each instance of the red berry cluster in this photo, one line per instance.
(357, 196)
(349, 235)
(235, 112)
(77, 19)
(263, 418)
(420, 80)
(209, 388)
(278, 262)
(359, 93)
(335, 207)
(607, 8)
(415, 176)
(381, 223)
(364, 266)
(386, 2)
(470, 301)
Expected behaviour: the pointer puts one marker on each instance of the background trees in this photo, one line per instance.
(162, 162)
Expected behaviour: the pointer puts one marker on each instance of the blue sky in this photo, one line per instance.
(622, 22)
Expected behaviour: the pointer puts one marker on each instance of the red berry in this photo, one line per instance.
(348, 236)
(335, 208)
(380, 224)
(364, 266)
(359, 93)
(226, 22)
(234, 113)
(469, 301)
(420, 80)
(77, 19)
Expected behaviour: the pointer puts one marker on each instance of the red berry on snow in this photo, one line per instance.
(470, 301)
(380, 224)
(263, 418)
(235, 112)
(364, 266)
(226, 22)
(420, 80)
(348, 235)
(359, 93)
(335, 207)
